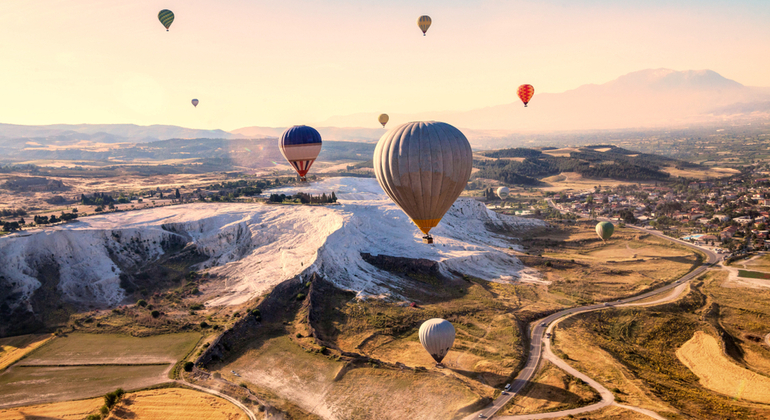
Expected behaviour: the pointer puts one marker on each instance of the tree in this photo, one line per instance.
(177, 194)
(161, 195)
(22, 222)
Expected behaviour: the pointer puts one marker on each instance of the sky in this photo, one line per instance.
(279, 63)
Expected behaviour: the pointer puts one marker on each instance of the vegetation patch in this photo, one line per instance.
(753, 274)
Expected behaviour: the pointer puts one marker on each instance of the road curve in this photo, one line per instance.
(538, 332)
(250, 414)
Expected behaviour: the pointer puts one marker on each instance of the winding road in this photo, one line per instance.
(540, 347)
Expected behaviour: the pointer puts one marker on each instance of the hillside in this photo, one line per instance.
(527, 166)
(252, 246)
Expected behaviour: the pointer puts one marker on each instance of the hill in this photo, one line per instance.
(252, 247)
(526, 166)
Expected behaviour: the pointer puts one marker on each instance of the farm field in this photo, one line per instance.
(706, 173)
(36, 385)
(93, 349)
(165, 403)
(702, 354)
(68, 410)
(573, 181)
(84, 365)
(753, 274)
(175, 404)
(14, 348)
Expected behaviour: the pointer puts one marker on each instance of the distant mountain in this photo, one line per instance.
(109, 133)
(327, 133)
(646, 98)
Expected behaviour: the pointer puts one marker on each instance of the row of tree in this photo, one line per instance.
(304, 198)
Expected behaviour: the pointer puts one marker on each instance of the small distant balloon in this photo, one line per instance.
(525, 93)
(195, 103)
(383, 119)
(424, 23)
(166, 17)
(503, 192)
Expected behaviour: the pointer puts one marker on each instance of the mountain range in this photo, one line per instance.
(643, 99)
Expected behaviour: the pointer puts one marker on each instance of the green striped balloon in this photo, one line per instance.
(166, 17)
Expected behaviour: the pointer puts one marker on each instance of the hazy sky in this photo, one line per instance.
(277, 63)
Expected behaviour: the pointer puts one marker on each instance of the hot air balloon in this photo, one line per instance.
(605, 230)
(503, 192)
(423, 167)
(383, 119)
(300, 145)
(195, 103)
(525, 93)
(424, 23)
(166, 17)
(437, 336)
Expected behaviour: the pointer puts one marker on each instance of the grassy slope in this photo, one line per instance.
(633, 353)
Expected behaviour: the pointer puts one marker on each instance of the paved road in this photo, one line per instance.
(249, 413)
(538, 333)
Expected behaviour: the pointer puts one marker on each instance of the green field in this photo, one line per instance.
(91, 349)
(753, 275)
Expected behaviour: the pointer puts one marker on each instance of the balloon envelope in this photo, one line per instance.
(423, 167)
(166, 17)
(424, 23)
(383, 119)
(300, 145)
(605, 230)
(195, 102)
(525, 93)
(437, 336)
(503, 192)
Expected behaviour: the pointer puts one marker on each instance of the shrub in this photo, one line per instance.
(104, 410)
(548, 264)
(94, 417)
(299, 335)
(188, 366)
(196, 306)
(323, 349)
(243, 385)
(300, 296)
(141, 302)
(155, 314)
(204, 324)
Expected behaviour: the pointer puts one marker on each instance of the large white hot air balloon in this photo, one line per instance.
(437, 336)
(423, 167)
(503, 192)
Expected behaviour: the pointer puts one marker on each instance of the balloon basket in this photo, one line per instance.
(440, 366)
(427, 239)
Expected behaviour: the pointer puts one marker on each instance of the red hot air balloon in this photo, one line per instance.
(525, 93)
